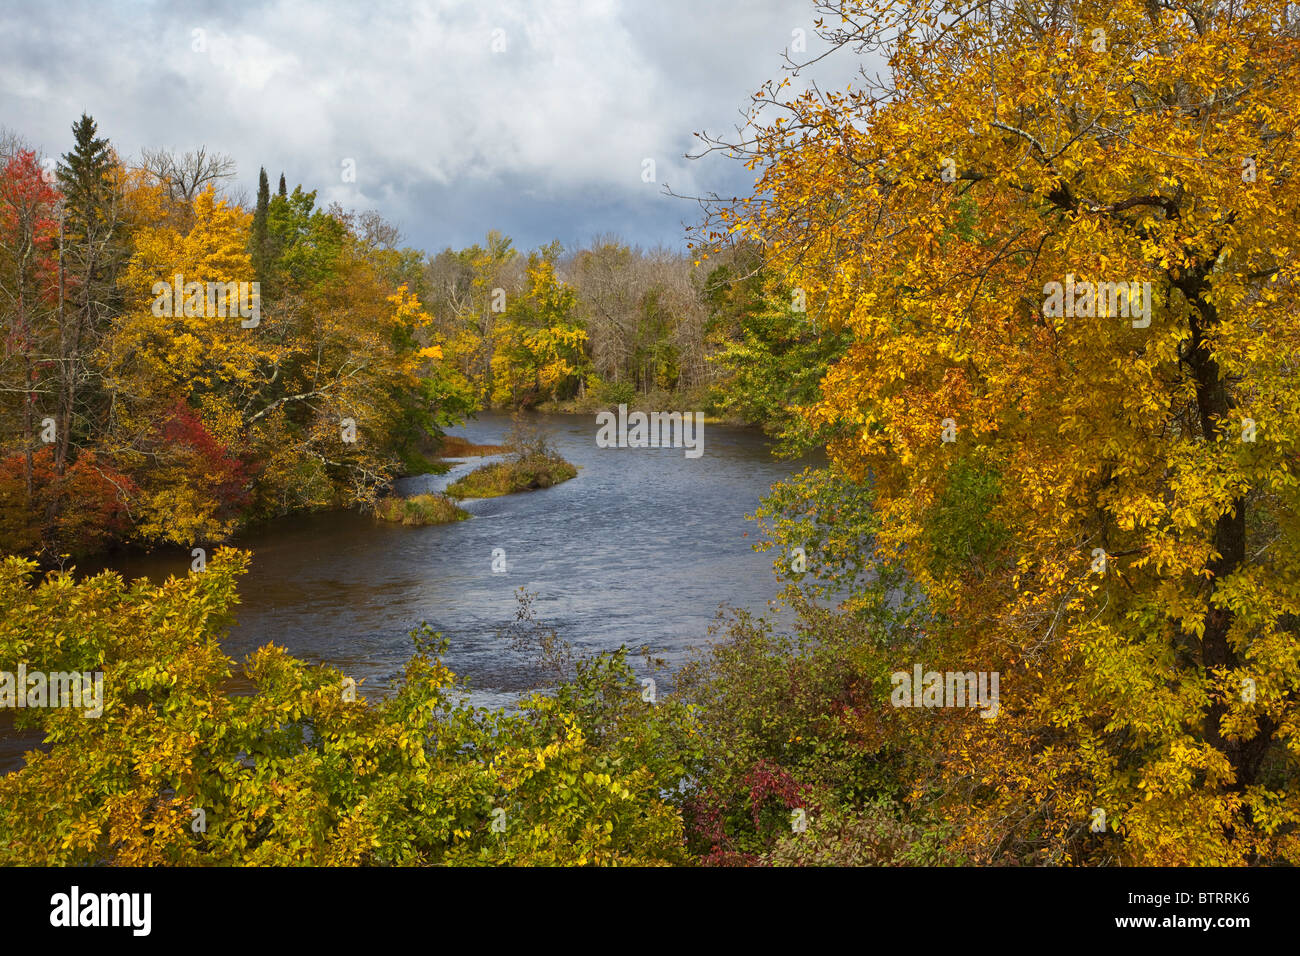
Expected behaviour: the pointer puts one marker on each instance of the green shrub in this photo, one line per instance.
(614, 393)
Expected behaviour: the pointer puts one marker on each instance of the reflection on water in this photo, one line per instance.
(639, 549)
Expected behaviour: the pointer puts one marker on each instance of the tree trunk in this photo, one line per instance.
(1214, 405)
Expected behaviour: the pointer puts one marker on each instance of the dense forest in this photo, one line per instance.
(1095, 506)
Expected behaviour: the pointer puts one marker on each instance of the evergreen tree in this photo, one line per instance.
(257, 242)
(84, 179)
(283, 189)
(92, 252)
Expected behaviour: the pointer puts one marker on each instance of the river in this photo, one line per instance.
(639, 549)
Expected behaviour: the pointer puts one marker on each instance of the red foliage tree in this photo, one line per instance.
(29, 285)
(224, 475)
(77, 513)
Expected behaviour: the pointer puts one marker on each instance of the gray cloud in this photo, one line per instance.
(543, 139)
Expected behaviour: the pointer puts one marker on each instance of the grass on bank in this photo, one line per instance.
(436, 455)
(507, 477)
(534, 463)
(420, 510)
(454, 446)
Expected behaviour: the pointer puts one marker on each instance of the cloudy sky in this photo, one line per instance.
(534, 117)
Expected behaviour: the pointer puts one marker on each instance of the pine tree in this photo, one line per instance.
(258, 242)
(92, 252)
(283, 189)
(84, 179)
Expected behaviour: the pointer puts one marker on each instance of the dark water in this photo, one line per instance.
(639, 549)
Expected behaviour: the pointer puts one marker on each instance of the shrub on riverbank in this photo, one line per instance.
(303, 769)
(419, 510)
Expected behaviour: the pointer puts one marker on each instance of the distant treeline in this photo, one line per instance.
(612, 322)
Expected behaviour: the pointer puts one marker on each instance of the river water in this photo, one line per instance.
(639, 549)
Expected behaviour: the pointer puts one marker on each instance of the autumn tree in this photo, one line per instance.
(1095, 489)
(28, 295)
(610, 292)
(61, 250)
(472, 289)
(540, 354)
(189, 173)
(645, 314)
(173, 365)
(169, 354)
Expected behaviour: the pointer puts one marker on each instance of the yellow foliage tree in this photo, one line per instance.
(187, 338)
(539, 349)
(1061, 236)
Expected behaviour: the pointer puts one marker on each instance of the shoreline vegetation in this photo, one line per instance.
(534, 464)
(454, 446)
(701, 400)
(419, 510)
(510, 477)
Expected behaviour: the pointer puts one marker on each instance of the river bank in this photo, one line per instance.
(639, 549)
